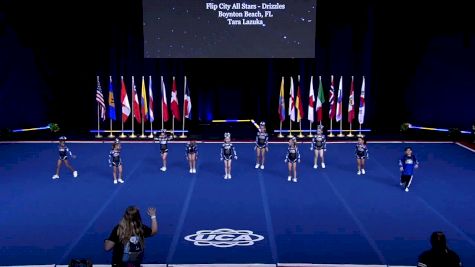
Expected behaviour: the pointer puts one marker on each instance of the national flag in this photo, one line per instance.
(151, 116)
(351, 102)
(100, 100)
(362, 108)
(174, 102)
(135, 103)
(187, 102)
(320, 100)
(111, 101)
(281, 102)
(164, 102)
(339, 103)
(143, 101)
(124, 100)
(331, 97)
(298, 103)
(291, 100)
(311, 102)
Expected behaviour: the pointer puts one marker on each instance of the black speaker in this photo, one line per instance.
(80, 263)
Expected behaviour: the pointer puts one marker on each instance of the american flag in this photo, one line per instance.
(100, 100)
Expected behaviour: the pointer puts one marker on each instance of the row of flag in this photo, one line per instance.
(144, 110)
(296, 111)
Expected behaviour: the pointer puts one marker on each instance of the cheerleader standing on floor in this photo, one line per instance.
(292, 157)
(227, 154)
(115, 162)
(319, 146)
(192, 155)
(407, 164)
(262, 142)
(163, 140)
(361, 152)
(63, 157)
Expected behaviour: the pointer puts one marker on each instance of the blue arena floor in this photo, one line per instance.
(330, 216)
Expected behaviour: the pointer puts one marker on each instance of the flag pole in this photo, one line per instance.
(280, 132)
(122, 135)
(151, 122)
(300, 134)
(351, 131)
(341, 129)
(143, 113)
(310, 134)
(162, 112)
(331, 129)
(98, 135)
(143, 128)
(111, 135)
(173, 126)
(360, 135)
(290, 129)
(133, 114)
(161, 100)
(151, 130)
(183, 128)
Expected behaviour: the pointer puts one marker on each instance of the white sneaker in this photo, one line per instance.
(226, 176)
(315, 166)
(115, 181)
(163, 169)
(121, 181)
(191, 170)
(289, 178)
(295, 180)
(323, 165)
(363, 171)
(257, 166)
(229, 176)
(262, 167)
(407, 189)
(359, 173)
(75, 174)
(55, 176)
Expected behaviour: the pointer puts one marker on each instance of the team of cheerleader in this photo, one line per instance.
(407, 164)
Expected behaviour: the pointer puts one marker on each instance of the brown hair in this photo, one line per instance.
(131, 224)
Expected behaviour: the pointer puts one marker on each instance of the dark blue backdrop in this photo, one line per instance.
(418, 63)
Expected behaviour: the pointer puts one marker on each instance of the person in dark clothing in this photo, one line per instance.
(127, 239)
(440, 255)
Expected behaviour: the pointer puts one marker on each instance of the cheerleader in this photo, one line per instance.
(319, 145)
(227, 154)
(115, 162)
(407, 164)
(192, 155)
(292, 157)
(163, 140)
(63, 157)
(261, 147)
(361, 153)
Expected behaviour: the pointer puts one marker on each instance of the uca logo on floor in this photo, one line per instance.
(224, 238)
